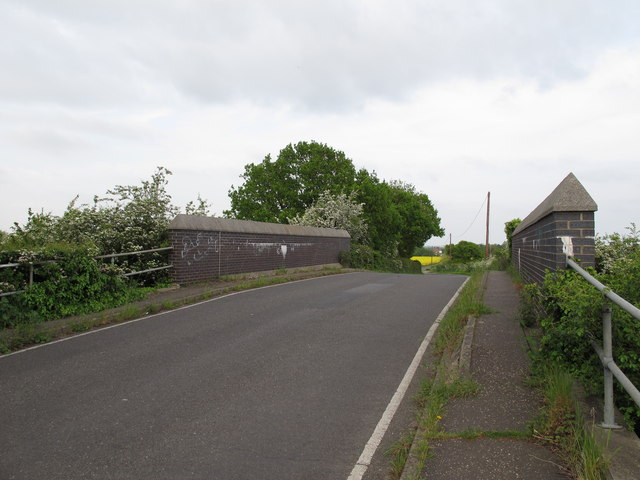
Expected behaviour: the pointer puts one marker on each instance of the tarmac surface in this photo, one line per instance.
(499, 363)
(286, 382)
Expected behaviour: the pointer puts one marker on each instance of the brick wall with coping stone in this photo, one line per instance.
(563, 224)
(205, 248)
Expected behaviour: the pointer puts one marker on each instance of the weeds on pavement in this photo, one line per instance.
(561, 425)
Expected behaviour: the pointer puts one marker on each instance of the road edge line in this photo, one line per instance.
(373, 443)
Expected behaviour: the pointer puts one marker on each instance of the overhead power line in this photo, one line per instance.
(474, 218)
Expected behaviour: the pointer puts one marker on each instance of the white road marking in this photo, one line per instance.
(370, 448)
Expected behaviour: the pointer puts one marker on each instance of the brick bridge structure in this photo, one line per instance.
(563, 224)
(205, 248)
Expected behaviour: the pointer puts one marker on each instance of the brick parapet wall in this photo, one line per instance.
(543, 246)
(205, 255)
(563, 224)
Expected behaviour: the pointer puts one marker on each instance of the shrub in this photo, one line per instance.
(365, 257)
(67, 281)
(128, 218)
(14, 311)
(335, 211)
(501, 259)
(359, 256)
(464, 252)
(411, 266)
(509, 228)
(572, 318)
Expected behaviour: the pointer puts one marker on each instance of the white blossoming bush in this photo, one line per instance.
(68, 280)
(335, 211)
(6, 287)
(616, 252)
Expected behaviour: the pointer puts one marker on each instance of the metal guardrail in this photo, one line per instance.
(112, 256)
(11, 293)
(9, 265)
(606, 351)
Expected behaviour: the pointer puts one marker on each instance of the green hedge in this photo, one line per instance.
(572, 318)
(365, 257)
(67, 280)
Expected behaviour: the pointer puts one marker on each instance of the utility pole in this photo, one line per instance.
(486, 243)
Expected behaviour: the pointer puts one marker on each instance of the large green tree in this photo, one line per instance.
(274, 191)
(399, 218)
(382, 218)
(419, 220)
(509, 228)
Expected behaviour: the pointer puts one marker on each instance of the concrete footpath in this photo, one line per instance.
(499, 363)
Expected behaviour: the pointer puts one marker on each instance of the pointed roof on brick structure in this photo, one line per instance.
(569, 196)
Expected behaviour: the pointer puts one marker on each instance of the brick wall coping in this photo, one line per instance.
(215, 224)
(569, 196)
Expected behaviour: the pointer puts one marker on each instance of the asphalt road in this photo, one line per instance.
(285, 382)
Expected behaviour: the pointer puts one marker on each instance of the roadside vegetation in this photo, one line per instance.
(568, 312)
(56, 266)
(434, 393)
(366, 258)
(562, 424)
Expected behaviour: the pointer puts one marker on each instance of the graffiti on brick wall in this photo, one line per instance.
(281, 248)
(194, 251)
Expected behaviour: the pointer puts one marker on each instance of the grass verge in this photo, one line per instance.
(561, 425)
(433, 398)
(434, 394)
(468, 303)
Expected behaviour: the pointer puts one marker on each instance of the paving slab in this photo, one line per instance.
(491, 459)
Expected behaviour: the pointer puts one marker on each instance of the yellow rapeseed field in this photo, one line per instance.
(427, 260)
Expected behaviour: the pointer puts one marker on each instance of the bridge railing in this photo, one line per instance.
(15, 265)
(112, 256)
(605, 352)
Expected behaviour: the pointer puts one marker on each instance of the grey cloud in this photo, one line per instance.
(47, 61)
(52, 141)
(330, 55)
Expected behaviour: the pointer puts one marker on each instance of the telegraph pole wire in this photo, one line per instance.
(474, 218)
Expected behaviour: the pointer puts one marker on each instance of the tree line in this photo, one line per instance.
(309, 183)
(397, 218)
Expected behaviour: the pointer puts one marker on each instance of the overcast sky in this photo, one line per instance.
(458, 97)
